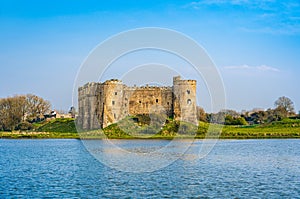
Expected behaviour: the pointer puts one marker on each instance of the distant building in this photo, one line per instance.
(72, 112)
(54, 114)
(101, 104)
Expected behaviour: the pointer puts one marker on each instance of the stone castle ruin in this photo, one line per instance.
(102, 104)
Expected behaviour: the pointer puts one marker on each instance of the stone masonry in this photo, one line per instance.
(102, 104)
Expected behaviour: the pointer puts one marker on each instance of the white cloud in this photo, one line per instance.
(257, 68)
(267, 68)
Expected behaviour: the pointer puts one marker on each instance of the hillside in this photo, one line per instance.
(59, 125)
(57, 128)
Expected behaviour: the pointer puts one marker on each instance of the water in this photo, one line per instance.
(233, 169)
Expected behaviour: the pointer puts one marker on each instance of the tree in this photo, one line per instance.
(201, 115)
(277, 114)
(14, 111)
(36, 106)
(11, 112)
(217, 118)
(286, 103)
(230, 120)
(232, 113)
(259, 117)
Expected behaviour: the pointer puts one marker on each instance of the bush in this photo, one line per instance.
(229, 120)
(24, 126)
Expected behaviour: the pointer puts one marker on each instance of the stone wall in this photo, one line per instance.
(145, 100)
(87, 106)
(101, 104)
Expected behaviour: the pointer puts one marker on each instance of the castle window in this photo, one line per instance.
(168, 103)
(140, 101)
(115, 116)
(156, 100)
(189, 101)
(188, 91)
(113, 102)
(116, 93)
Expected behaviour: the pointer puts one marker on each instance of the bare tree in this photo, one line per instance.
(201, 115)
(36, 106)
(15, 110)
(285, 103)
(11, 112)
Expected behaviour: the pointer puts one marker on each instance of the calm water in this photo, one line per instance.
(233, 169)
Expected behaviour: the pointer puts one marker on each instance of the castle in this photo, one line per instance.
(101, 104)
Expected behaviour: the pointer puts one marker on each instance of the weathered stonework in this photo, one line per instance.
(101, 104)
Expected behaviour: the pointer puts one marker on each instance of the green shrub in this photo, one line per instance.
(24, 126)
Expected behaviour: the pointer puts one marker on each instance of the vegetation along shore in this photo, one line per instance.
(65, 128)
(28, 116)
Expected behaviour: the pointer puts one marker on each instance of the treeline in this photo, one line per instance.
(284, 107)
(18, 112)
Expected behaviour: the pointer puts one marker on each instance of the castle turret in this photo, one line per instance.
(113, 102)
(87, 103)
(184, 100)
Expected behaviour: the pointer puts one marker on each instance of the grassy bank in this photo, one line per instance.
(65, 128)
(287, 128)
(58, 128)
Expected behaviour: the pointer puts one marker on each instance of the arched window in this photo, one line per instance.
(188, 92)
(189, 101)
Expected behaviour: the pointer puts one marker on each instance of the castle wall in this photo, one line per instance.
(101, 104)
(145, 100)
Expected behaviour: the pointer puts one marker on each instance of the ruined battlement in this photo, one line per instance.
(113, 81)
(101, 104)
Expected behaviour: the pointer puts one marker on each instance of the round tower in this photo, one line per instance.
(113, 103)
(184, 100)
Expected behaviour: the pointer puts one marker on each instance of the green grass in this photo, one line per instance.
(60, 125)
(287, 128)
(56, 128)
(39, 135)
(127, 129)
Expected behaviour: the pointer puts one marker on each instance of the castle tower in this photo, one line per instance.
(184, 100)
(87, 106)
(114, 108)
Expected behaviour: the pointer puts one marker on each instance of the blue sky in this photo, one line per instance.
(255, 44)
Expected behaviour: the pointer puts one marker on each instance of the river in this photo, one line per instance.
(63, 168)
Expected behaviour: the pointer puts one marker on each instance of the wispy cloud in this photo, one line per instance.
(251, 4)
(262, 4)
(263, 16)
(256, 68)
